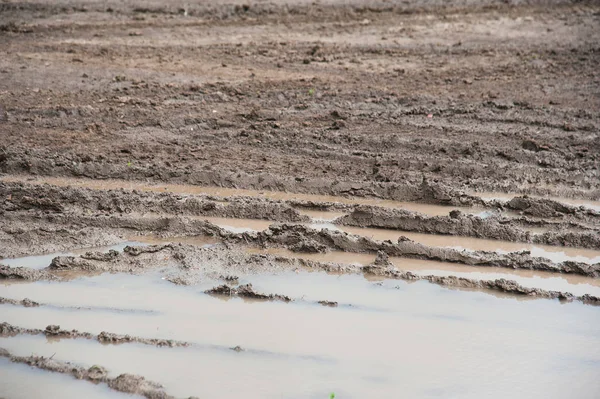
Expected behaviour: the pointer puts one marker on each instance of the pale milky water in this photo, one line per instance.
(19, 381)
(386, 339)
(573, 283)
(42, 261)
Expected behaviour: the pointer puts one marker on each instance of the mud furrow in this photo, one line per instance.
(186, 259)
(54, 331)
(300, 238)
(504, 228)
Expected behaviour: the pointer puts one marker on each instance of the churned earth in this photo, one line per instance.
(299, 199)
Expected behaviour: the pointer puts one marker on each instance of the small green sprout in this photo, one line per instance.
(311, 92)
(332, 395)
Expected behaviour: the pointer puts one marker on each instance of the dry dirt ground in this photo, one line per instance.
(146, 147)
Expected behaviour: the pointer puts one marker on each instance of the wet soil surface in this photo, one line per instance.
(294, 198)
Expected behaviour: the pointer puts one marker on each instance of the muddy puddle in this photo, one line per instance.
(576, 284)
(384, 339)
(594, 205)
(199, 241)
(19, 381)
(555, 254)
(42, 261)
(428, 209)
(321, 216)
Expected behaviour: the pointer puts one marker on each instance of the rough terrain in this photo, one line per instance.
(151, 124)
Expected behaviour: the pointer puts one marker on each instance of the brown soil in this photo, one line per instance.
(138, 120)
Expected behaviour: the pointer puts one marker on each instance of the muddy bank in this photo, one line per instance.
(459, 224)
(27, 236)
(104, 337)
(126, 383)
(383, 267)
(544, 208)
(297, 238)
(51, 164)
(304, 239)
(208, 109)
(61, 199)
(188, 265)
(246, 291)
(80, 200)
(28, 303)
(23, 273)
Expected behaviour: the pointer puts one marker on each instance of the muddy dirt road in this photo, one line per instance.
(365, 198)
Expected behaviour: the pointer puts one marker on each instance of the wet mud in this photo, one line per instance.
(236, 190)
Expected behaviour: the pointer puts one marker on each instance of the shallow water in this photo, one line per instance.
(595, 205)
(575, 284)
(386, 339)
(555, 254)
(42, 261)
(19, 381)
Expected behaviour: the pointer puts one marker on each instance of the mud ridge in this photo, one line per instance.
(64, 199)
(297, 238)
(303, 239)
(72, 166)
(459, 224)
(78, 200)
(504, 285)
(104, 337)
(23, 273)
(28, 303)
(127, 383)
(245, 291)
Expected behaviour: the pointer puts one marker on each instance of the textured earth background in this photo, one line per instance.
(287, 197)
(478, 95)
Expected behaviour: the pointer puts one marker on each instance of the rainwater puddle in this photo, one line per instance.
(321, 216)
(42, 261)
(575, 284)
(20, 381)
(239, 225)
(555, 254)
(595, 205)
(428, 209)
(389, 343)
